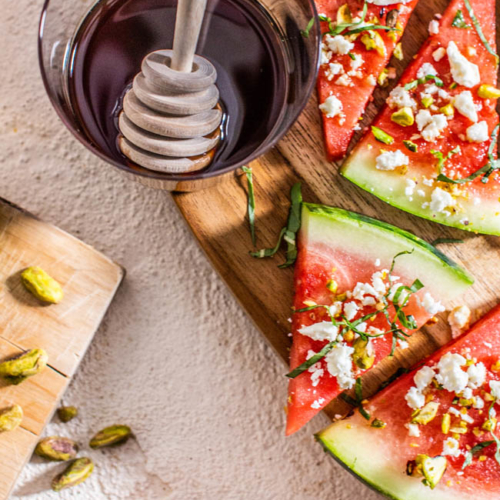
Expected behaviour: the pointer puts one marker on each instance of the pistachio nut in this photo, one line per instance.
(398, 52)
(76, 472)
(56, 448)
(432, 469)
(113, 435)
(488, 92)
(373, 41)
(25, 365)
(10, 418)
(344, 15)
(426, 414)
(67, 413)
(404, 117)
(363, 355)
(41, 285)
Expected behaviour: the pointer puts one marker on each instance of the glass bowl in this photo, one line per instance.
(58, 47)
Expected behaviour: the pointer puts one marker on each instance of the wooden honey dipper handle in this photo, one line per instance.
(187, 30)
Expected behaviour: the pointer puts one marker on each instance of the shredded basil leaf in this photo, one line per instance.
(441, 241)
(415, 83)
(312, 360)
(474, 451)
(293, 225)
(310, 24)
(269, 252)
(479, 30)
(251, 202)
(459, 21)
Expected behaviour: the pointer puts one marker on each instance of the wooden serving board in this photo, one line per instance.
(89, 280)
(217, 218)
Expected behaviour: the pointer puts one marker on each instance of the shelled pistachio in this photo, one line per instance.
(18, 369)
(76, 472)
(113, 435)
(10, 418)
(42, 285)
(67, 413)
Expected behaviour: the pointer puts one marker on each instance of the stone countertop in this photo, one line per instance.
(176, 358)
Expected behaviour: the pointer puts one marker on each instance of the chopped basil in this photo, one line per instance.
(358, 390)
(479, 30)
(382, 136)
(441, 241)
(411, 146)
(474, 451)
(288, 233)
(251, 202)
(310, 24)
(312, 361)
(459, 21)
(415, 83)
(378, 424)
(352, 56)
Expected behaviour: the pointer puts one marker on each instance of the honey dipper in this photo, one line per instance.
(170, 120)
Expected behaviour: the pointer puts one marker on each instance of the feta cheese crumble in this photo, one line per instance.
(464, 104)
(495, 388)
(317, 404)
(338, 44)
(431, 305)
(434, 27)
(333, 70)
(413, 430)
(478, 132)
(323, 330)
(423, 377)
(477, 375)
(415, 398)
(459, 319)
(401, 98)
(390, 160)
(440, 200)
(438, 54)
(350, 310)
(425, 70)
(331, 107)
(451, 376)
(429, 125)
(451, 447)
(462, 70)
(339, 365)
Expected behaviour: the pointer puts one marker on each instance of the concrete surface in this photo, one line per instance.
(176, 358)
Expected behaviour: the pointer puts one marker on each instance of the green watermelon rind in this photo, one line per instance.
(360, 170)
(392, 232)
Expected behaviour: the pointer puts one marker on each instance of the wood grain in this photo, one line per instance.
(89, 280)
(217, 218)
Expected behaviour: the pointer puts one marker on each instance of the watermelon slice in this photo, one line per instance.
(344, 261)
(453, 395)
(349, 71)
(449, 93)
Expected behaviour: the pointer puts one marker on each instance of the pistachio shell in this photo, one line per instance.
(41, 285)
(56, 448)
(76, 472)
(67, 413)
(26, 365)
(113, 435)
(10, 418)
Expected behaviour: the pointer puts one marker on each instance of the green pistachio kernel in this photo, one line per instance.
(403, 117)
(41, 285)
(382, 136)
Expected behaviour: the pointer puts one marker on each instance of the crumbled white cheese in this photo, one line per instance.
(323, 330)
(495, 388)
(464, 104)
(331, 107)
(326, 54)
(335, 309)
(434, 27)
(451, 447)
(315, 370)
(425, 70)
(415, 398)
(377, 263)
(378, 282)
(438, 54)
(410, 188)
(317, 404)
(357, 62)
(401, 98)
(459, 318)
(344, 81)
(462, 70)
(478, 402)
(431, 305)
(333, 70)
(390, 160)
(467, 392)
(350, 310)
(338, 44)
(440, 200)
(451, 376)
(423, 377)
(413, 430)
(371, 80)
(339, 365)
(362, 289)
(429, 125)
(402, 297)
(478, 132)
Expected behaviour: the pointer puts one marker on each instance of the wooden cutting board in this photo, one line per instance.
(89, 280)
(217, 218)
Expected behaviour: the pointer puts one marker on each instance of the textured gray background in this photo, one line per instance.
(176, 358)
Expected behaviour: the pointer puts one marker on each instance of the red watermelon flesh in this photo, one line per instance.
(351, 250)
(353, 440)
(338, 131)
(475, 204)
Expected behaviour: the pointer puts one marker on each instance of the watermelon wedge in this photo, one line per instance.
(435, 435)
(346, 297)
(433, 151)
(352, 63)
